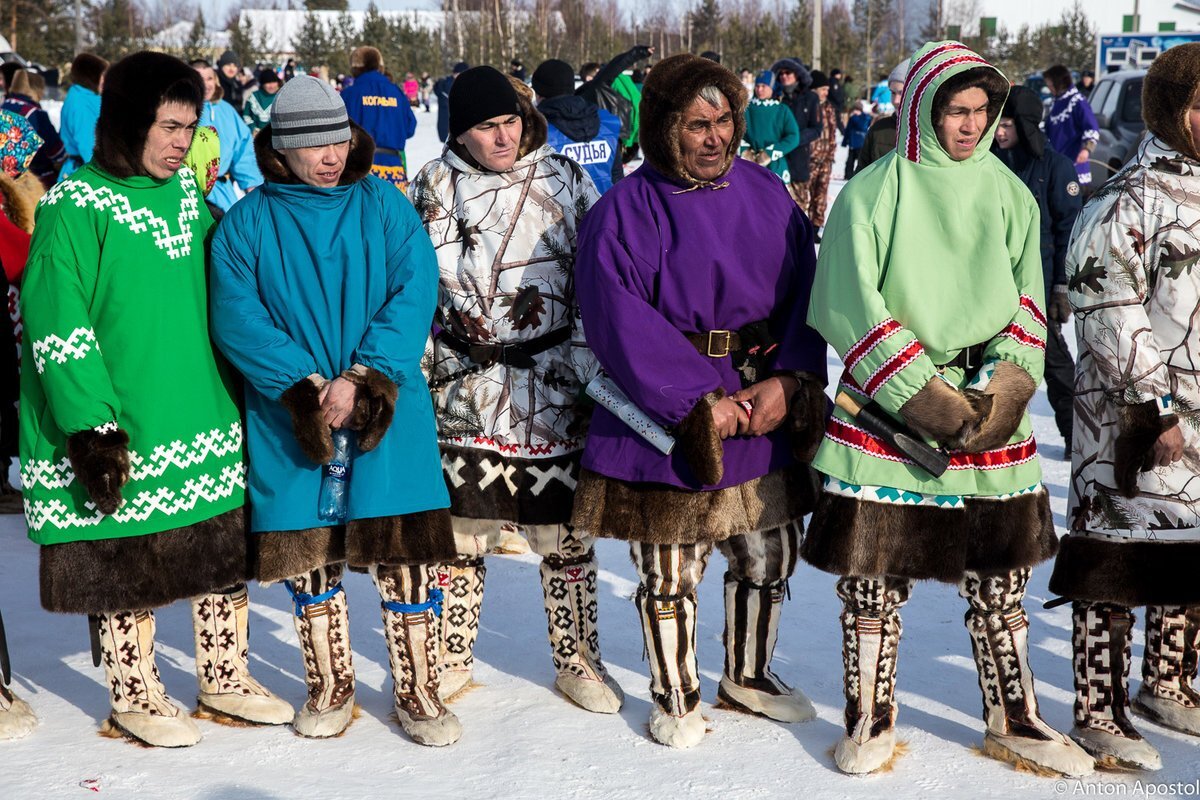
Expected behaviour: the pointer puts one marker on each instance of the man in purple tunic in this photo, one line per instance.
(692, 276)
(1071, 127)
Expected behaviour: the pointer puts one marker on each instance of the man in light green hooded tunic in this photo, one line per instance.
(929, 286)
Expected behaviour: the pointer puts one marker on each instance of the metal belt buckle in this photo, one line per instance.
(718, 350)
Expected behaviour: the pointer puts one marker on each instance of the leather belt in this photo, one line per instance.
(515, 354)
(716, 344)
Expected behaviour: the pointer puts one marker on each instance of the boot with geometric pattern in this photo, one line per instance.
(572, 608)
(16, 717)
(751, 629)
(1101, 637)
(221, 623)
(140, 706)
(669, 631)
(1169, 667)
(323, 626)
(999, 629)
(461, 583)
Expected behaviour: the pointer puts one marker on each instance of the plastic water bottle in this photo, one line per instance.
(335, 483)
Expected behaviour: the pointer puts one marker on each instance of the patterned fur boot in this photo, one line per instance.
(461, 584)
(569, 587)
(140, 706)
(323, 625)
(871, 630)
(1100, 641)
(412, 626)
(751, 629)
(16, 717)
(1167, 695)
(669, 630)
(221, 622)
(999, 631)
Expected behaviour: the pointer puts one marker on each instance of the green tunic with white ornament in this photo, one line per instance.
(116, 334)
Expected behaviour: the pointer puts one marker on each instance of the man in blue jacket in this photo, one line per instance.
(378, 105)
(1051, 178)
(441, 90)
(578, 128)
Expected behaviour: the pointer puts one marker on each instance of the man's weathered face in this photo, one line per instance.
(209, 76)
(319, 166)
(168, 139)
(964, 123)
(495, 142)
(704, 138)
(1006, 133)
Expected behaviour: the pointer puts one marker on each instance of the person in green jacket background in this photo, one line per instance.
(929, 286)
(256, 111)
(771, 129)
(624, 86)
(131, 441)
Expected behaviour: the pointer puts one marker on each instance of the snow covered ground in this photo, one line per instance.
(523, 739)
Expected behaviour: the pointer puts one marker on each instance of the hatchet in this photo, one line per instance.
(879, 423)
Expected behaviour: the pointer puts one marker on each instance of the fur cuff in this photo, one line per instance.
(944, 414)
(810, 408)
(303, 402)
(1139, 427)
(698, 441)
(1010, 388)
(101, 463)
(374, 405)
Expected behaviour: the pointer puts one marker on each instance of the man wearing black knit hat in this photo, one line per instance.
(578, 128)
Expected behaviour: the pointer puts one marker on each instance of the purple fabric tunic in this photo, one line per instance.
(1070, 124)
(655, 262)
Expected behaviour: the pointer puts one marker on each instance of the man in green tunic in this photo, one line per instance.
(929, 286)
(131, 443)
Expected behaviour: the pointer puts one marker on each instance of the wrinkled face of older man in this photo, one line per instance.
(704, 138)
(319, 166)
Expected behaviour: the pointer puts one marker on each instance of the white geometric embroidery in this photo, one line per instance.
(77, 345)
(59, 475)
(144, 504)
(545, 476)
(138, 220)
(491, 472)
(452, 470)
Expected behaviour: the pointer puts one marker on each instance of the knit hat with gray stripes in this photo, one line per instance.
(307, 112)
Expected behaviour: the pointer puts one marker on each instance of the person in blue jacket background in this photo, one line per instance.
(441, 91)
(80, 111)
(237, 143)
(378, 105)
(323, 289)
(578, 128)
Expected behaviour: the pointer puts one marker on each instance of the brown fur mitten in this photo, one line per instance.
(809, 413)
(944, 414)
(374, 405)
(303, 402)
(101, 463)
(1138, 428)
(1010, 388)
(699, 442)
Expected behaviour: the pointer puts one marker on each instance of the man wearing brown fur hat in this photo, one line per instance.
(383, 111)
(707, 338)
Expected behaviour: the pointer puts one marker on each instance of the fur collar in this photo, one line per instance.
(275, 169)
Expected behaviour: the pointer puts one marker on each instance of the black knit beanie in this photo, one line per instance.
(479, 94)
(553, 78)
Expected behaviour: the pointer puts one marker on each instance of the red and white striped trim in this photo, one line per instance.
(888, 369)
(856, 438)
(863, 347)
(912, 149)
(1020, 334)
(547, 450)
(1031, 306)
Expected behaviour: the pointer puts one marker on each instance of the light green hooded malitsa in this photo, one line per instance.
(922, 257)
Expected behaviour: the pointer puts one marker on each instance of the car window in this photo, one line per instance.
(1131, 103)
(1099, 95)
(1109, 106)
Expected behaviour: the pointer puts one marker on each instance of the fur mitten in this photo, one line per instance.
(699, 442)
(1138, 428)
(303, 402)
(944, 414)
(100, 459)
(809, 413)
(1010, 388)
(374, 405)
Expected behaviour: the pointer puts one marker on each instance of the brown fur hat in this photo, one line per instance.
(669, 89)
(533, 125)
(275, 169)
(365, 59)
(86, 70)
(1168, 94)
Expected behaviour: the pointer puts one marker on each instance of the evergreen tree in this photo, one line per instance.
(251, 46)
(326, 5)
(706, 25)
(312, 43)
(118, 28)
(197, 44)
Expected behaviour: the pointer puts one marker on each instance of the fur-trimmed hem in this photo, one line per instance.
(141, 572)
(423, 537)
(532, 491)
(848, 536)
(1128, 573)
(285, 554)
(660, 514)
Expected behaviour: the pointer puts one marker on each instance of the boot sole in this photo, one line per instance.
(1149, 713)
(726, 700)
(993, 749)
(111, 729)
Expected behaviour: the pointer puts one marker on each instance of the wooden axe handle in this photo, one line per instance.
(848, 404)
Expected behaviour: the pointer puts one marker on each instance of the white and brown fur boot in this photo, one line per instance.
(140, 706)
(16, 717)
(999, 629)
(1168, 695)
(411, 626)
(461, 583)
(871, 630)
(323, 625)
(221, 623)
(572, 610)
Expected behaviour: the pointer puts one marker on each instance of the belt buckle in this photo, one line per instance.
(723, 338)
